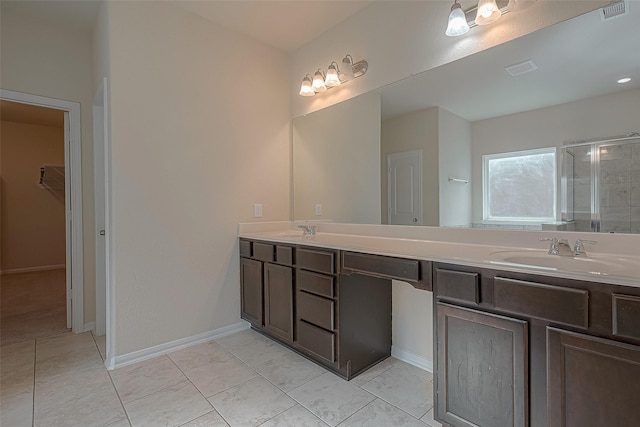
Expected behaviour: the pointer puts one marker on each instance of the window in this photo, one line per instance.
(520, 186)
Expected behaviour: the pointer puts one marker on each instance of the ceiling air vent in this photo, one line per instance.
(521, 68)
(614, 9)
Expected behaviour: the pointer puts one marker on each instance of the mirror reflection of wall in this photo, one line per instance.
(335, 156)
(572, 95)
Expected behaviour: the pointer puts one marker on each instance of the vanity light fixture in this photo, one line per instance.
(305, 88)
(488, 12)
(624, 80)
(457, 21)
(332, 79)
(318, 82)
(334, 76)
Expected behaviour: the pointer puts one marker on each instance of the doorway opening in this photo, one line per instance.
(41, 217)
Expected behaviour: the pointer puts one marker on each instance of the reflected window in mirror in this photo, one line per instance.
(520, 187)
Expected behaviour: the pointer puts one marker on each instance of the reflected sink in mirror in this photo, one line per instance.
(591, 264)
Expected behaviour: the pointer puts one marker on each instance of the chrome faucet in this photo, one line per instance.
(309, 230)
(578, 248)
(558, 246)
(561, 247)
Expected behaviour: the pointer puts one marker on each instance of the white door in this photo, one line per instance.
(405, 188)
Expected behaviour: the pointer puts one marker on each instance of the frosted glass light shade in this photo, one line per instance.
(305, 88)
(318, 82)
(457, 21)
(347, 69)
(488, 12)
(332, 78)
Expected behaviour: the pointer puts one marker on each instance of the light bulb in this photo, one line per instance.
(318, 82)
(457, 24)
(347, 68)
(488, 12)
(332, 78)
(305, 88)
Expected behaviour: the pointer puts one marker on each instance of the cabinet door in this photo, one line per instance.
(482, 368)
(251, 290)
(278, 301)
(591, 381)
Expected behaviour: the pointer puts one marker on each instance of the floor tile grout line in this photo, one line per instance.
(124, 408)
(33, 392)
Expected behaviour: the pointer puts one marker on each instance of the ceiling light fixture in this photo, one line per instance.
(457, 24)
(334, 76)
(488, 12)
(624, 80)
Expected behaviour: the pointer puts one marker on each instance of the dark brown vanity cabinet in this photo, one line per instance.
(266, 285)
(342, 321)
(298, 295)
(482, 366)
(514, 349)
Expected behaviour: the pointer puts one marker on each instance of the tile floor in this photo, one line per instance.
(32, 305)
(244, 379)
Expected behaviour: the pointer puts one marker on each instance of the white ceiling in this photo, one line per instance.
(286, 25)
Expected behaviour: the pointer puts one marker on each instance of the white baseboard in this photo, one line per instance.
(412, 359)
(88, 327)
(31, 269)
(158, 350)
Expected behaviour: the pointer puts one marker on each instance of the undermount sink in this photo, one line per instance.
(599, 265)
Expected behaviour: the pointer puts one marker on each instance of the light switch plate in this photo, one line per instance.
(257, 210)
(318, 209)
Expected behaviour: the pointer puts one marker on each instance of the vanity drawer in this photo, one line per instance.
(315, 283)
(284, 255)
(245, 248)
(565, 306)
(457, 286)
(316, 310)
(381, 266)
(316, 260)
(317, 341)
(625, 311)
(263, 252)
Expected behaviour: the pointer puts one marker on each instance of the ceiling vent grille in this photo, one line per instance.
(521, 68)
(614, 9)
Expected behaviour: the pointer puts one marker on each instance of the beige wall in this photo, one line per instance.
(33, 223)
(346, 137)
(199, 133)
(454, 141)
(590, 118)
(53, 61)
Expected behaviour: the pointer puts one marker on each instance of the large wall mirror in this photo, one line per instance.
(412, 152)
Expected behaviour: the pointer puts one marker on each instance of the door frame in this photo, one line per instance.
(101, 158)
(73, 199)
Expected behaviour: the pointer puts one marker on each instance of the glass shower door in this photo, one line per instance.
(601, 186)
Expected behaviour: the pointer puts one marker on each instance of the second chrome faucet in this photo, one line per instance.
(561, 247)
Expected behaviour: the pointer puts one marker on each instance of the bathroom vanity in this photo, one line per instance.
(514, 345)
(332, 306)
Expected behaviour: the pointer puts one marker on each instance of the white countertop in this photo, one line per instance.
(504, 250)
